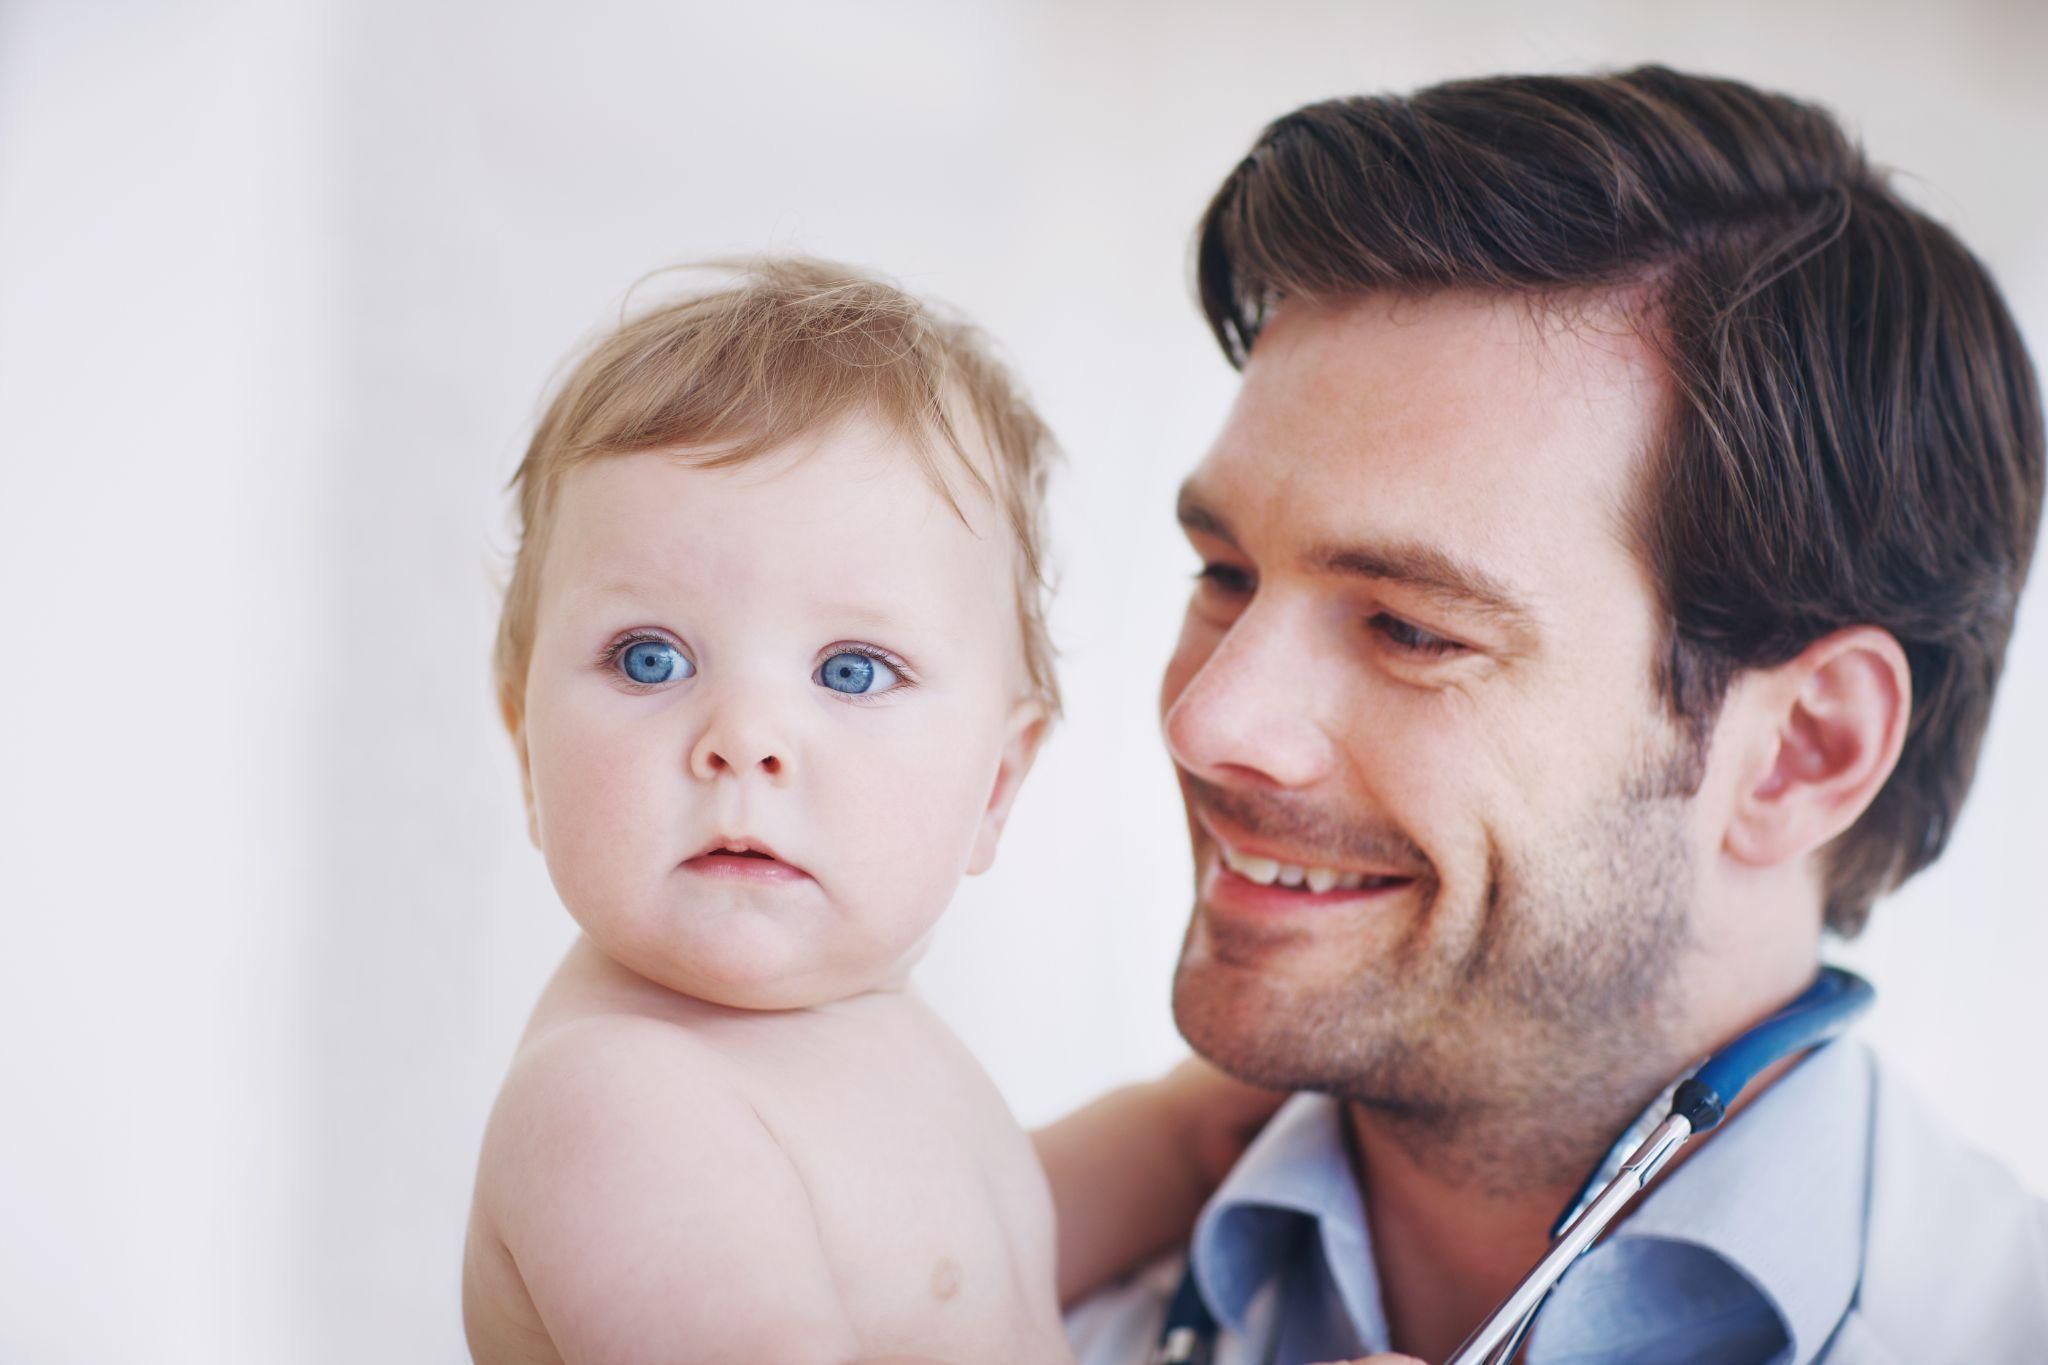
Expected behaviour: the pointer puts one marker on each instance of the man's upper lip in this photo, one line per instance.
(1280, 853)
(740, 843)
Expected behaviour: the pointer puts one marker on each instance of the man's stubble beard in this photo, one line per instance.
(1501, 1066)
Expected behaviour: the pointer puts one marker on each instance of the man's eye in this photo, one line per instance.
(1226, 578)
(857, 674)
(653, 662)
(1412, 639)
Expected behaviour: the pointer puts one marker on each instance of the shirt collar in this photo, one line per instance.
(1293, 1182)
(1780, 1193)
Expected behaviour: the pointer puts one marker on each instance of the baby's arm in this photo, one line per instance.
(1130, 1171)
(651, 1214)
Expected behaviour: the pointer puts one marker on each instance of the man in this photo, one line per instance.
(1608, 563)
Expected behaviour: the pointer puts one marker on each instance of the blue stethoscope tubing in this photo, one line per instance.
(1699, 1103)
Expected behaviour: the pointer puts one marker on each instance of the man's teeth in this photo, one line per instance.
(1266, 871)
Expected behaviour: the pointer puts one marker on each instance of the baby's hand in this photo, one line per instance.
(1217, 1116)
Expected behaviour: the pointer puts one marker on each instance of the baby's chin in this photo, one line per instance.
(741, 971)
(783, 993)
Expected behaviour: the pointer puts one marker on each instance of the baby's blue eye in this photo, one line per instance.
(857, 673)
(650, 662)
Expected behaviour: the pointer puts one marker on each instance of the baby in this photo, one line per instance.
(774, 661)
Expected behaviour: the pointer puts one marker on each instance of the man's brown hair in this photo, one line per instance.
(1858, 434)
(786, 347)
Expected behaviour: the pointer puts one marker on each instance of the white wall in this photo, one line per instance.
(280, 291)
(161, 390)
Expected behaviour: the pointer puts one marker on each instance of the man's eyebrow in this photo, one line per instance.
(1196, 515)
(1428, 569)
(1424, 567)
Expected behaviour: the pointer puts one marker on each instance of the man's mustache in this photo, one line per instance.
(1309, 827)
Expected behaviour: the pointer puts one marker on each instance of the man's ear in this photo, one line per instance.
(515, 726)
(1028, 723)
(1833, 722)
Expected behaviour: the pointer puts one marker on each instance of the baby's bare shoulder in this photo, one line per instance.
(589, 1100)
(614, 1062)
(646, 1204)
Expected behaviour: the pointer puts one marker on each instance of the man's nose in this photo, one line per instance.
(1248, 711)
(742, 737)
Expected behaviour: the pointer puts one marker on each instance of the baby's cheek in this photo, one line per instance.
(914, 829)
(586, 865)
(599, 822)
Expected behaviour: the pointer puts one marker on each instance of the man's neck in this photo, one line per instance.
(1461, 1207)
(1449, 1246)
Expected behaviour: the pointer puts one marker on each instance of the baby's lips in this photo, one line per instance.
(735, 850)
(733, 842)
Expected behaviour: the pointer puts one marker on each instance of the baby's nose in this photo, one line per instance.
(739, 744)
(715, 762)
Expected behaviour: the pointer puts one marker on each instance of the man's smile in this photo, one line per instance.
(1226, 890)
(1253, 875)
(1254, 867)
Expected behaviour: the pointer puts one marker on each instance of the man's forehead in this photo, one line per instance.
(1463, 441)
(1451, 369)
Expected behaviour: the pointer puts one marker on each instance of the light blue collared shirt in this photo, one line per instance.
(1752, 1250)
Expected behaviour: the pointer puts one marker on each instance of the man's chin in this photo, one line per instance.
(1297, 1017)
(1251, 1023)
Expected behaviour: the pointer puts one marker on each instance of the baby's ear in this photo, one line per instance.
(1028, 723)
(526, 792)
(515, 726)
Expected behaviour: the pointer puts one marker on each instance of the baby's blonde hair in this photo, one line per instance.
(790, 346)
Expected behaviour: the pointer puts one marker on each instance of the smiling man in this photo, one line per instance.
(1607, 567)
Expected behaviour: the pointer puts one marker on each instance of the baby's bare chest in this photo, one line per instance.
(929, 1201)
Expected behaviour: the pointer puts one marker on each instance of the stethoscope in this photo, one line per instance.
(1698, 1102)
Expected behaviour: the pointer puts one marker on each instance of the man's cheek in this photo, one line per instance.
(1461, 756)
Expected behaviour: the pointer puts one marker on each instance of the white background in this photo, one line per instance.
(281, 288)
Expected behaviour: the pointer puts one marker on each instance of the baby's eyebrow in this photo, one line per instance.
(617, 590)
(866, 615)
(850, 612)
